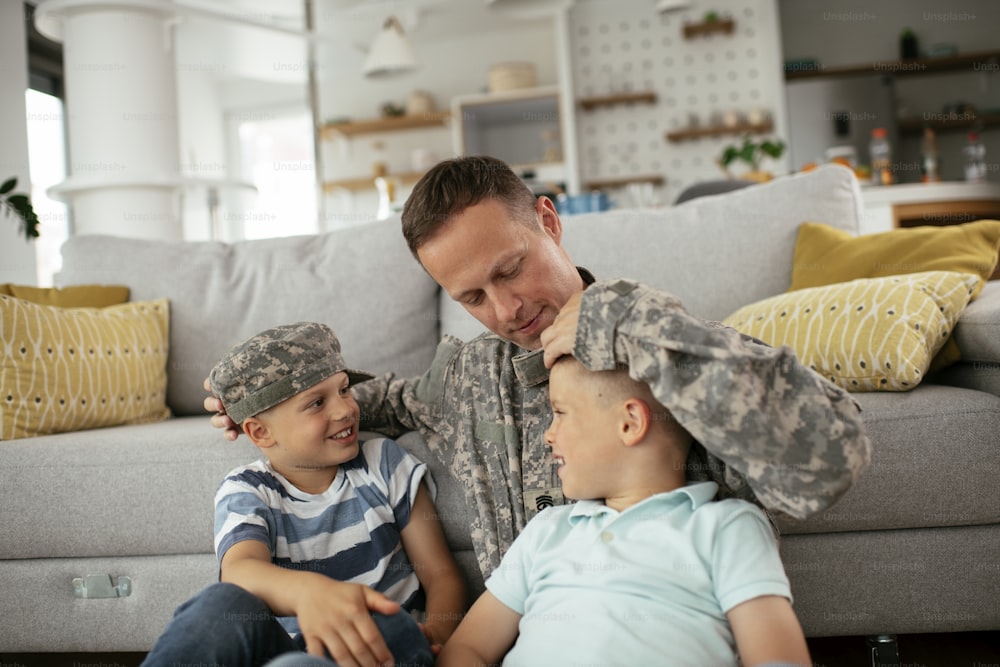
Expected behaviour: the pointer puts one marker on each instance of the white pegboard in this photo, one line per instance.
(626, 46)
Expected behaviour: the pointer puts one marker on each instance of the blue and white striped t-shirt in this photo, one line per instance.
(351, 532)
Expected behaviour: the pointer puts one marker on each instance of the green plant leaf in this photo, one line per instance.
(8, 185)
(729, 155)
(773, 148)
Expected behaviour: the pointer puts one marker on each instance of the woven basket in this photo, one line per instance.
(511, 76)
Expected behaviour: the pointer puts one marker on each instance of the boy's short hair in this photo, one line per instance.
(616, 384)
(275, 365)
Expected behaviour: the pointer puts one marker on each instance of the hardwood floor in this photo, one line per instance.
(967, 649)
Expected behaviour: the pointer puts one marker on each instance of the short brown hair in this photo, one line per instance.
(454, 185)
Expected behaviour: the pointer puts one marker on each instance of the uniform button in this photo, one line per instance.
(606, 536)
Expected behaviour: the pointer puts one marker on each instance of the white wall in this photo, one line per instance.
(845, 32)
(627, 45)
(17, 256)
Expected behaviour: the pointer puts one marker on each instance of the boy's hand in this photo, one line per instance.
(219, 417)
(335, 617)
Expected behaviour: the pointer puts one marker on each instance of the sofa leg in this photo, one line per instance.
(883, 650)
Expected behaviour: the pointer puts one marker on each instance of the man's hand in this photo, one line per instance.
(560, 337)
(219, 417)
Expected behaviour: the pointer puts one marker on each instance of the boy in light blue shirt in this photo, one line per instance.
(643, 569)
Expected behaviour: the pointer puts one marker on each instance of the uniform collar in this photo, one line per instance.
(529, 367)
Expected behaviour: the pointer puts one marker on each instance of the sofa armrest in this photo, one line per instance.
(978, 337)
(978, 331)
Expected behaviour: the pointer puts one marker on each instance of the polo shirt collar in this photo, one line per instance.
(529, 367)
(698, 493)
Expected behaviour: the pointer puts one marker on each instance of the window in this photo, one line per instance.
(277, 157)
(47, 167)
(46, 126)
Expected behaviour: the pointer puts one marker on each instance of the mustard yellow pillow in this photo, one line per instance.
(864, 335)
(67, 369)
(74, 296)
(825, 255)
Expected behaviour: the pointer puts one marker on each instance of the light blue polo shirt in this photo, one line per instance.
(647, 586)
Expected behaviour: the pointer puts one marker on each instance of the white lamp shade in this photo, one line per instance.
(391, 52)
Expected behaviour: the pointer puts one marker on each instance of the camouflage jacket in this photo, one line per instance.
(769, 428)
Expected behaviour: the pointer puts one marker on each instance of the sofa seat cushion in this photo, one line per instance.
(935, 462)
(42, 614)
(138, 490)
(361, 281)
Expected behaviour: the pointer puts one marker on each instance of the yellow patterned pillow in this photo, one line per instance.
(67, 369)
(868, 334)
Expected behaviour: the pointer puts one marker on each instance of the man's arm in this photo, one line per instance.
(798, 439)
(767, 632)
(443, 586)
(484, 636)
(333, 615)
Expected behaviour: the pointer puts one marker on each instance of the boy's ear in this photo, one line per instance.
(257, 431)
(635, 421)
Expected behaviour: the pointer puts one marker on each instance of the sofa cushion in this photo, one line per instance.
(864, 335)
(66, 369)
(825, 255)
(715, 253)
(934, 462)
(141, 490)
(361, 281)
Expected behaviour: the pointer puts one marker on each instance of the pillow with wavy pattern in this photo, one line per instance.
(872, 334)
(68, 369)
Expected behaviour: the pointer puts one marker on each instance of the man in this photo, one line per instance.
(795, 445)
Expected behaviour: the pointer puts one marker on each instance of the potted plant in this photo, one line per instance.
(752, 152)
(19, 205)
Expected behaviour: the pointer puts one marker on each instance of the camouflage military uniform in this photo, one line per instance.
(773, 427)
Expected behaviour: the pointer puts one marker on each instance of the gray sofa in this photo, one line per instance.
(913, 547)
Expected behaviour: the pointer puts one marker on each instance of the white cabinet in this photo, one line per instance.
(523, 127)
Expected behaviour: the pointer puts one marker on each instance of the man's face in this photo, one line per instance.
(511, 277)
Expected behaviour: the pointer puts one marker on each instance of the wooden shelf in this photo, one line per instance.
(986, 60)
(725, 26)
(966, 121)
(719, 131)
(391, 124)
(591, 103)
(368, 182)
(611, 183)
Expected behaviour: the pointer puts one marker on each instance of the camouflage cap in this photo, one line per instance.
(275, 365)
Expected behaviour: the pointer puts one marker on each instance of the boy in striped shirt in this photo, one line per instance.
(336, 538)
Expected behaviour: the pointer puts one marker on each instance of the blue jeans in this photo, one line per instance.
(227, 626)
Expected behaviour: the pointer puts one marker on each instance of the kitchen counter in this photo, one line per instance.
(914, 204)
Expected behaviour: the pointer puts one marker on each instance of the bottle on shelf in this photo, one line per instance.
(930, 165)
(880, 154)
(975, 159)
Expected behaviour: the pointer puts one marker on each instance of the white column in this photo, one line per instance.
(121, 103)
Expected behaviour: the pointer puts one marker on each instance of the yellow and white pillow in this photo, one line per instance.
(864, 335)
(67, 369)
